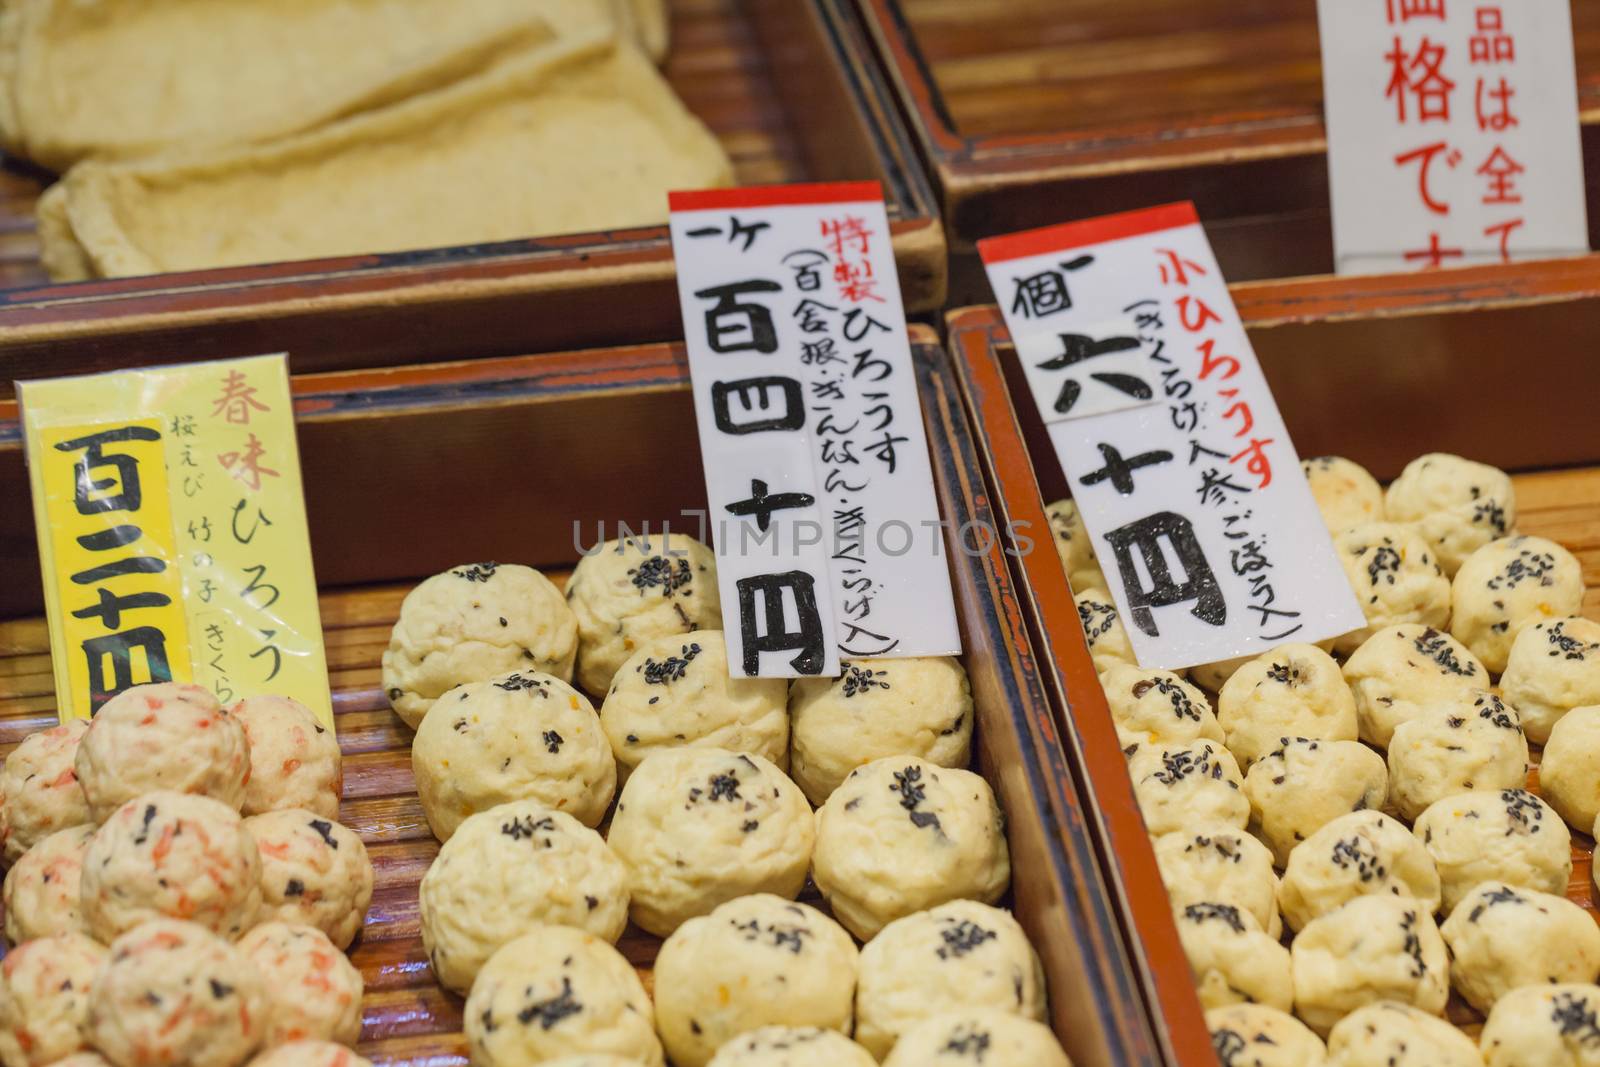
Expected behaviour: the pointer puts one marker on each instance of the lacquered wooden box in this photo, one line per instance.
(409, 471)
(1032, 112)
(789, 86)
(1494, 364)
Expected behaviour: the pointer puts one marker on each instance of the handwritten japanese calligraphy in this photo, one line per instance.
(1182, 469)
(178, 539)
(817, 470)
(1452, 132)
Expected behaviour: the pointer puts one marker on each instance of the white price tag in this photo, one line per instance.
(827, 530)
(1179, 461)
(1452, 132)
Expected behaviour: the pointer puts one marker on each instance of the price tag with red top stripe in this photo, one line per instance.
(822, 507)
(1178, 459)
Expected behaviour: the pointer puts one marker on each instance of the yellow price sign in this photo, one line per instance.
(172, 533)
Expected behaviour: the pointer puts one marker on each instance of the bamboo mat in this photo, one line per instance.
(1041, 66)
(715, 64)
(408, 1019)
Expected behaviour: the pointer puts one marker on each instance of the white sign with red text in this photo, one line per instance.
(826, 527)
(1453, 132)
(1169, 436)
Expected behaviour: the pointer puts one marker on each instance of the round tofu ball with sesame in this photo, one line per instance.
(700, 826)
(788, 1046)
(1233, 959)
(1213, 676)
(174, 855)
(1508, 585)
(630, 592)
(977, 1036)
(1396, 579)
(1369, 949)
(44, 999)
(311, 1054)
(42, 889)
(1506, 835)
(1292, 691)
(522, 736)
(294, 759)
(172, 992)
(473, 622)
(902, 835)
(507, 868)
(1397, 1035)
(1552, 668)
(757, 961)
(1458, 506)
(1346, 494)
(1502, 937)
(314, 872)
(1456, 748)
(1103, 630)
(313, 991)
(1182, 787)
(1074, 546)
(1402, 669)
(959, 955)
(1220, 865)
(1365, 853)
(557, 991)
(1569, 769)
(1156, 708)
(1543, 1026)
(920, 706)
(39, 791)
(1253, 1035)
(676, 691)
(1305, 784)
(162, 737)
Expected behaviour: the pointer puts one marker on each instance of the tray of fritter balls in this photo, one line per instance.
(574, 836)
(1377, 849)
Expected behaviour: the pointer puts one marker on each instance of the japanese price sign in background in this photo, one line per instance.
(1452, 132)
(821, 492)
(172, 533)
(1178, 459)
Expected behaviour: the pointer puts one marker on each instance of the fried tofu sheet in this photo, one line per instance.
(82, 78)
(571, 137)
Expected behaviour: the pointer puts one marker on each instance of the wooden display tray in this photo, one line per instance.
(789, 86)
(1362, 368)
(409, 471)
(1032, 112)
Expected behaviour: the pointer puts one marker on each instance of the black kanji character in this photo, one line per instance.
(807, 278)
(1145, 536)
(762, 504)
(757, 395)
(765, 630)
(732, 326)
(1077, 347)
(1045, 293)
(104, 684)
(111, 606)
(736, 230)
(810, 313)
(126, 481)
(1119, 471)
